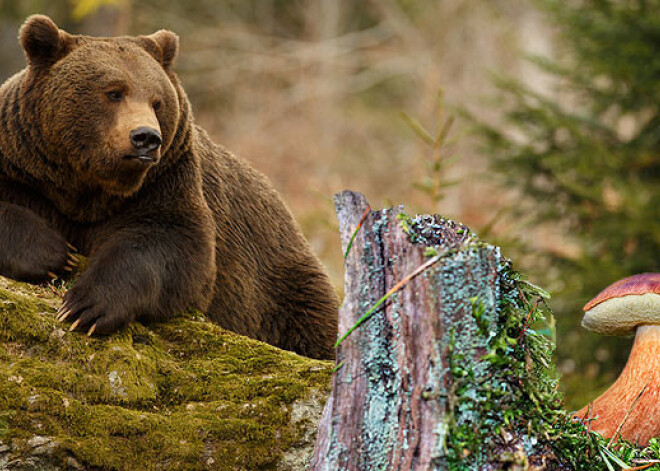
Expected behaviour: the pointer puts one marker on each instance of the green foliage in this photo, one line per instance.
(588, 451)
(405, 221)
(519, 397)
(588, 161)
(516, 414)
(436, 141)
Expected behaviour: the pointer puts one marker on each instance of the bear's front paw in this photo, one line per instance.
(91, 313)
(43, 257)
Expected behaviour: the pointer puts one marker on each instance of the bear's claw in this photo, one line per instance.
(74, 325)
(63, 313)
(89, 314)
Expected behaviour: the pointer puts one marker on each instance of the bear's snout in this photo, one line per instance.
(145, 139)
(135, 136)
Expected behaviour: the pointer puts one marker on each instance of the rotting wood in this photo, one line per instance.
(392, 404)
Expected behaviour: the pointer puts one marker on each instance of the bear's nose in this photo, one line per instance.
(145, 139)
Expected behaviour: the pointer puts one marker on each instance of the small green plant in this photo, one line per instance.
(439, 157)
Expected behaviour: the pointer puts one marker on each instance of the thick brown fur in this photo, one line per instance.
(186, 225)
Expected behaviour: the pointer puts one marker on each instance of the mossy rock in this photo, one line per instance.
(184, 394)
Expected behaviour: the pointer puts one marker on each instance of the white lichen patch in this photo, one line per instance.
(303, 412)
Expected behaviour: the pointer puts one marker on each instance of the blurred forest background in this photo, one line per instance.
(554, 152)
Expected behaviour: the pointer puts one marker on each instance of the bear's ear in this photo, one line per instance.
(43, 42)
(167, 46)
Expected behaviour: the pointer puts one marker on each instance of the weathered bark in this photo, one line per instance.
(392, 399)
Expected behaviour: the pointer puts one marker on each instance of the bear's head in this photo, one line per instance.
(107, 108)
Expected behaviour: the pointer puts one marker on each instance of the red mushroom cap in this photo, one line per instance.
(623, 306)
(633, 285)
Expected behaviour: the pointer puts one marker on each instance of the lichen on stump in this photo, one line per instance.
(184, 394)
(448, 372)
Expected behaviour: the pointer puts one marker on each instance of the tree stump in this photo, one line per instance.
(429, 362)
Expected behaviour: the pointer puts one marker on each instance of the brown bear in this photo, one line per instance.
(99, 151)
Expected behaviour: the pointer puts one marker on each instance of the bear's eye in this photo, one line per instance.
(115, 95)
(156, 105)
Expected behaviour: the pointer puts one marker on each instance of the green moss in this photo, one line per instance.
(505, 408)
(505, 389)
(183, 395)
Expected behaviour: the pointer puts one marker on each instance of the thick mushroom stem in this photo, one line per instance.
(624, 409)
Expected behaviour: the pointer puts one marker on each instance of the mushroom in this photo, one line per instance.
(630, 408)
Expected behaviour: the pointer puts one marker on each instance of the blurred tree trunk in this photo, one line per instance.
(327, 87)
